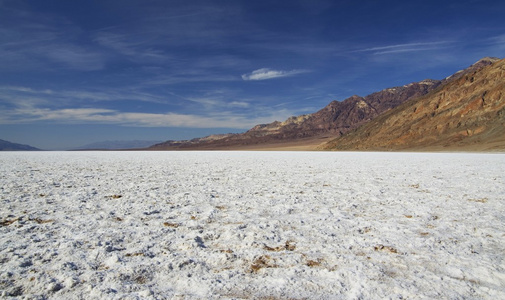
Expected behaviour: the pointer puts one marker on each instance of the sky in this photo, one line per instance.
(77, 72)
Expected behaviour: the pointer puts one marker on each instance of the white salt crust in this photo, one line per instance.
(240, 225)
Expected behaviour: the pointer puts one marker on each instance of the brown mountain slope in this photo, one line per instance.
(338, 118)
(466, 114)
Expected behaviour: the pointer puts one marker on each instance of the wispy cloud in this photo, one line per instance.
(239, 104)
(409, 47)
(31, 40)
(26, 96)
(266, 73)
(25, 105)
(497, 43)
(499, 39)
(45, 56)
(136, 48)
(134, 119)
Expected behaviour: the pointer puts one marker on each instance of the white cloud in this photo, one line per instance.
(497, 44)
(409, 47)
(216, 102)
(26, 105)
(107, 116)
(20, 95)
(266, 73)
(239, 104)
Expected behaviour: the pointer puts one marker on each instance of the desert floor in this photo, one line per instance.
(271, 225)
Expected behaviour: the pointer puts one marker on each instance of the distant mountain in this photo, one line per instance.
(334, 120)
(9, 146)
(117, 145)
(468, 113)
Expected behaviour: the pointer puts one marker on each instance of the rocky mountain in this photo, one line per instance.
(467, 113)
(334, 120)
(9, 146)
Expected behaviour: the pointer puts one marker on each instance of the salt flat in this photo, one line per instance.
(188, 225)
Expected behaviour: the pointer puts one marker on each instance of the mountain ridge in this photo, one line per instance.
(467, 114)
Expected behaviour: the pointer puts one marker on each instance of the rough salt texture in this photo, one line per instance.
(161, 225)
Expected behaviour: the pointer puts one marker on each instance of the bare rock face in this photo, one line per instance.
(337, 118)
(467, 113)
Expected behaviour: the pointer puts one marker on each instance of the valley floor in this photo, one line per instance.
(240, 225)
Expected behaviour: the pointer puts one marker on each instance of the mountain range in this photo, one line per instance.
(9, 146)
(462, 111)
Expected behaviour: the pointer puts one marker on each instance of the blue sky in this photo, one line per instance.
(76, 72)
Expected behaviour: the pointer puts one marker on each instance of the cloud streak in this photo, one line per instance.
(266, 73)
(20, 95)
(31, 40)
(25, 105)
(134, 119)
(409, 47)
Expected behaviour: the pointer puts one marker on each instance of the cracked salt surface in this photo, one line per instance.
(161, 225)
